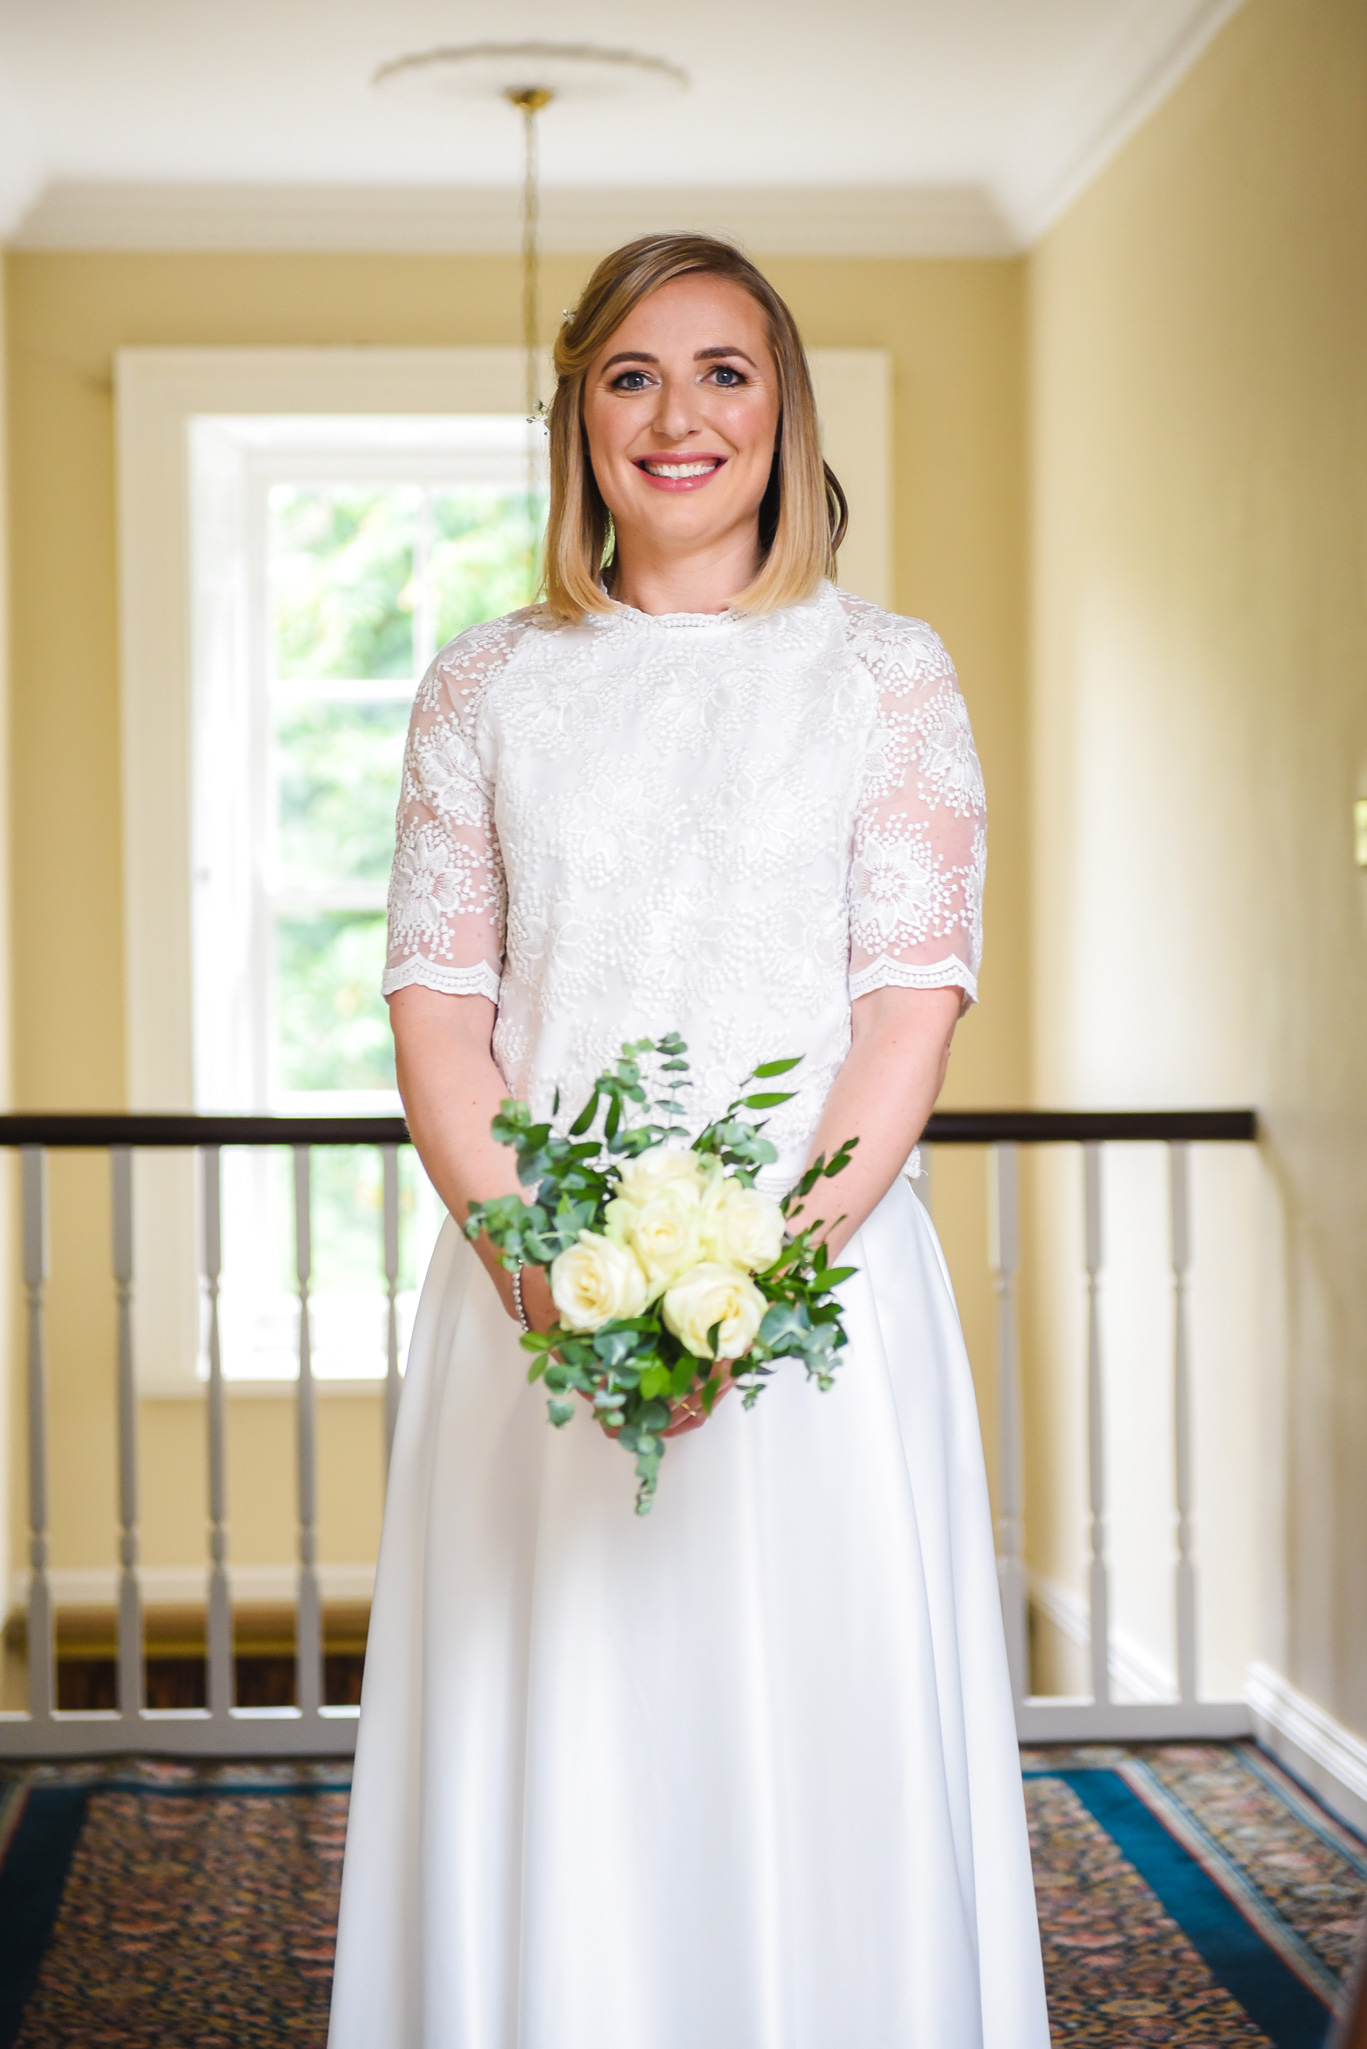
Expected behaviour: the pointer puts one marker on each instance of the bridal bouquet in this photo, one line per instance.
(670, 1270)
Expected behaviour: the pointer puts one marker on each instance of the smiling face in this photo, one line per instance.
(681, 411)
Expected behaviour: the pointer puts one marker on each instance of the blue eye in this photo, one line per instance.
(728, 377)
(630, 380)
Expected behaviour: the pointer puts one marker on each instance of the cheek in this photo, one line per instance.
(751, 427)
(604, 445)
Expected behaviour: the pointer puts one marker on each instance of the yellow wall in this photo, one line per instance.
(955, 333)
(7, 1409)
(1198, 417)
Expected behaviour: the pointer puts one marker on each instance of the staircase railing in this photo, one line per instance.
(311, 1726)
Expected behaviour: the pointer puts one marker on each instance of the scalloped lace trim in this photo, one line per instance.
(479, 980)
(885, 973)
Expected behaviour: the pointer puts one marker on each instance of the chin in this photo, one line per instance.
(683, 519)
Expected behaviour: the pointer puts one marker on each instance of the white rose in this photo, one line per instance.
(595, 1282)
(664, 1166)
(741, 1227)
(664, 1232)
(713, 1293)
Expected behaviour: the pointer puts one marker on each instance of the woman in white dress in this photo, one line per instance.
(742, 1774)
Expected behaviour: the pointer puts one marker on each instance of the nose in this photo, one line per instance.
(676, 412)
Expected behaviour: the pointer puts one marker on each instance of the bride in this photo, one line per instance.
(742, 1775)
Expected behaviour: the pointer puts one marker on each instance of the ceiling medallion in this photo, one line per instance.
(530, 76)
(565, 70)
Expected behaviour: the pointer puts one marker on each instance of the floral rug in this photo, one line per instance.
(1190, 1895)
(166, 1906)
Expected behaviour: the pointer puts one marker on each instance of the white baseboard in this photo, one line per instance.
(1136, 1675)
(1328, 1757)
(186, 1586)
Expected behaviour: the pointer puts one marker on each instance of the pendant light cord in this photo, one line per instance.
(529, 100)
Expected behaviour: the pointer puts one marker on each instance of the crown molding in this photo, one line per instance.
(485, 220)
(1133, 94)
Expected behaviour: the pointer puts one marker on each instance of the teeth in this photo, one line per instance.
(679, 469)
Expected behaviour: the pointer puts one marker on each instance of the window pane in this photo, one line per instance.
(341, 575)
(348, 1211)
(331, 1026)
(484, 552)
(259, 1304)
(337, 787)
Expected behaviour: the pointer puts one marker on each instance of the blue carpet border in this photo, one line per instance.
(1271, 1994)
(32, 1876)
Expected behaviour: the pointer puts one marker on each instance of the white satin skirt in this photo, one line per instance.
(741, 1774)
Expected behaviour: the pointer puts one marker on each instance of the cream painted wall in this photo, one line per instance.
(8, 1407)
(1198, 420)
(954, 329)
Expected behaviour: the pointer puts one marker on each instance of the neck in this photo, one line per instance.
(703, 579)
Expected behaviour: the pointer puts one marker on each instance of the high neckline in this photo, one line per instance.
(686, 622)
(632, 615)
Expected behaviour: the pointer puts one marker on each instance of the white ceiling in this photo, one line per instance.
(884, 124)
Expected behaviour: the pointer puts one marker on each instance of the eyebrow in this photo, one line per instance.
(700, 356)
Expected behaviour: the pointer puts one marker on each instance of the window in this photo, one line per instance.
(350, 550)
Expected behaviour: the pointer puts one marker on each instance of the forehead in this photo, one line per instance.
(693, 312)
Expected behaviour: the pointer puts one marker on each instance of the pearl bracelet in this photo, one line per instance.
(517, 1297)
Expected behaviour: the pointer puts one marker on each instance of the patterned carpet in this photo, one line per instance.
(1190, 1895)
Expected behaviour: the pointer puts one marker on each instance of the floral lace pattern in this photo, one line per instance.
(724, 826)
(446, 888)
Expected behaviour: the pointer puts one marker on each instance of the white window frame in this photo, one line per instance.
(158, 393)
(235, 460)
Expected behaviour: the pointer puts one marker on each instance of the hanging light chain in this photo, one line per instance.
(529, 101)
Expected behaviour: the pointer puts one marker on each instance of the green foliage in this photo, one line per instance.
(347, 1201)
(338, 764)
(484, 555)
(631, 1370)
(342, 592)
(331, 1028)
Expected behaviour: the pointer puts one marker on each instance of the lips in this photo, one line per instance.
(701, 468)
(679, 473)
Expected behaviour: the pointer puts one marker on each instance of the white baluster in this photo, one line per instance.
(1004, 1260)
(389, 1156)
(308, 1624)
(220, 1629)
(1179, 1168)
(130, 1589)
(42, 1676)
(1098, 1575)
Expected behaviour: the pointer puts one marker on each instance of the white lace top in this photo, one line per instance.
(727, 827)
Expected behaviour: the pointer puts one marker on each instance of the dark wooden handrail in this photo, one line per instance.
(1048, 1127)
(151, 1128)
(176, 1128)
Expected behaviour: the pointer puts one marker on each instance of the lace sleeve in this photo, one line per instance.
(920, 841)
(446, 889)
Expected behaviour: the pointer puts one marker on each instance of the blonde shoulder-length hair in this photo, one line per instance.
(802, 517)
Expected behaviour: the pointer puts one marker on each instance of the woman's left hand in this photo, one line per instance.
(689, 1414)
